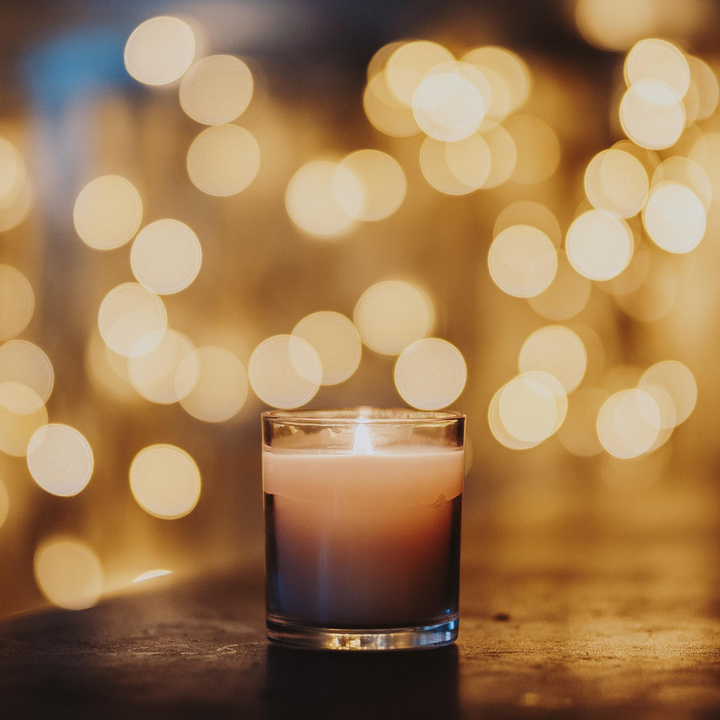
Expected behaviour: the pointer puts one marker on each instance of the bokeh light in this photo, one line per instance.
(165, 481)
(385, 111)
(218, 382)
(382, 181)
(659, 62)
(285, 371)
(223, 160)
(674, 217)
(531, 407)
(628, 423)
(69, 573)
(132, 320)
(408, 65)
(705, 82)
(556, 350)
(25, 363)
(522, 261)
(469, 161)
(392, 314)
(655, 295)
(537, 148)
(566, 295)
(430, 374)
(166, 256)
(312, 195)
(12, 173)
(60, 459)
(157, 376)
(448, 103)
(22, 412)
(578, 434)
(599, 246)
(18, 208)
(159, 50)
(336, 341)
(528, 212)
(651, 115)
(615, 24)
(678, 381)
(107, 371)
(512, 70)
(435, 158)
(616, 183)
(216, 89)
(17, 302)
(686, 172)
(706, 153)
(107, 212)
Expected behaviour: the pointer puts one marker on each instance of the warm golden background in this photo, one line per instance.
(508, 208)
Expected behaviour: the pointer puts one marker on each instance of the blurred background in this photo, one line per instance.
(211, 208)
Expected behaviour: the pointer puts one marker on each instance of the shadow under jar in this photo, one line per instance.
(362, 527)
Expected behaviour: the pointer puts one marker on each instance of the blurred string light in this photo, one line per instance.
(469, 161)
(615, 24)
(556, 350)
(311, 199)
(508, 75)
(69, 573)
(285, 371)
(60, 459)
(107, 212)
(12, 173)
(382, 181)
(4, 503)
(132, 320)
(687, 172)
(165, 481)
(17, 302)
(392, 314)
(158, 377)
(409, 64)
(211, 384)
(336, 341)
(503, 154)
(25, 363)
(223, 160)
(652, 112)
(628, 423)
(616, 183)
(166, 256)
(677, 381)
(674, 217)
(16, 194)
(522, 261)
(599, 246)
(527, 410)
(22, 412)
(449, 102)
(216, 89)
(706, 153)
(430, 374)
(385, 112)
(704, 83)
(527, 212)
(160, 50)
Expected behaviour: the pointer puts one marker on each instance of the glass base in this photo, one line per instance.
(288, 633)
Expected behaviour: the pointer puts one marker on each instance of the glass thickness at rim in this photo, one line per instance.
(364, 415)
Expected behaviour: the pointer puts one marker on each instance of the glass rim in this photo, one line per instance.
(362, 415)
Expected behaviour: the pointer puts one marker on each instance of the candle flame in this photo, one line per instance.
(362, 444)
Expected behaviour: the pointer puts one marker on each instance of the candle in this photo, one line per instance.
(362, 513)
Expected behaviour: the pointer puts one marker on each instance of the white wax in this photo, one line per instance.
(364, 540)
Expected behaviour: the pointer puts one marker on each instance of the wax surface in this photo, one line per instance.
(363, 540)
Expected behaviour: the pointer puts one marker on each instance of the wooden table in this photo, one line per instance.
(552, 626)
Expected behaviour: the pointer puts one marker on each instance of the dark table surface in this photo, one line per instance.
(565, 627)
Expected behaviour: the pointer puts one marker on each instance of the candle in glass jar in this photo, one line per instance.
(363, 537)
